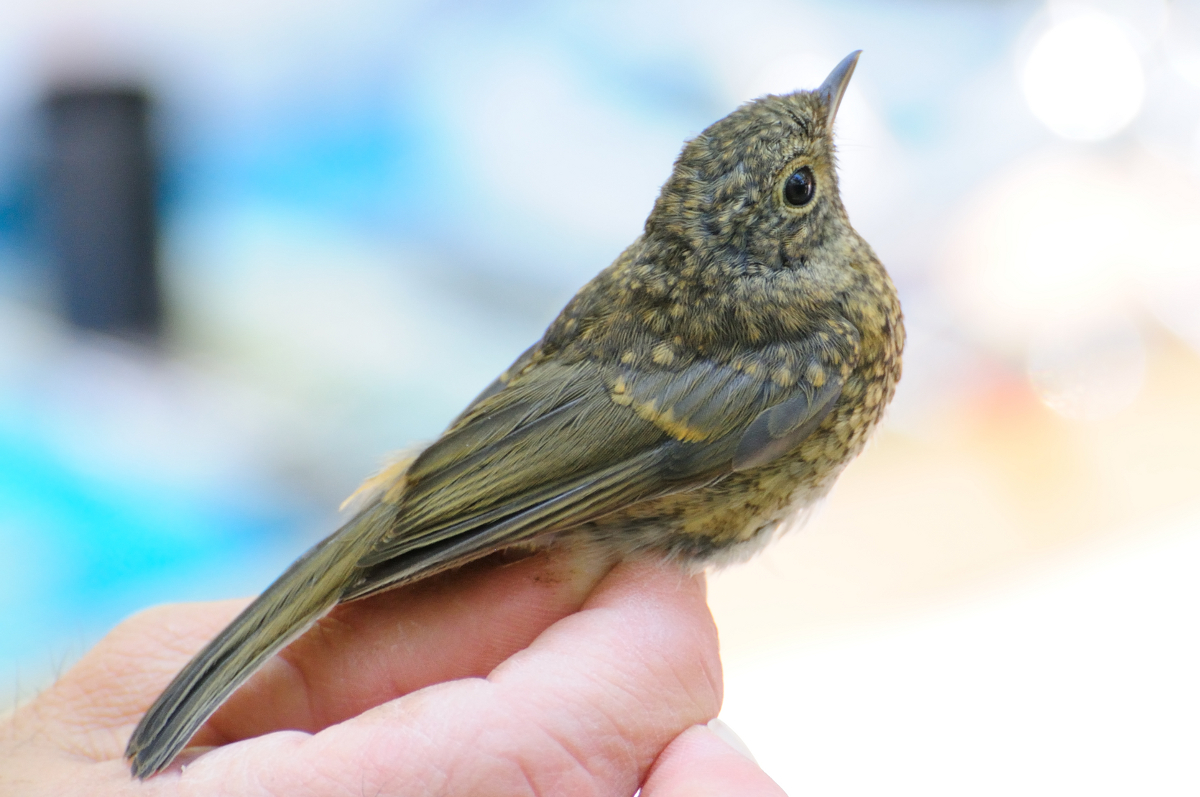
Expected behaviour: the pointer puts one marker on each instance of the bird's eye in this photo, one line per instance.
(800, 187)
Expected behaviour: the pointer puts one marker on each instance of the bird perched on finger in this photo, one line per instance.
(710, 382)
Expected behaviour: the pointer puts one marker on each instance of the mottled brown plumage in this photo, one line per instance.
(716, 377)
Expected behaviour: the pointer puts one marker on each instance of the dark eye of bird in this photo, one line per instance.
(800, 187)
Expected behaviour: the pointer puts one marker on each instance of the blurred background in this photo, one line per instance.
(247, 249)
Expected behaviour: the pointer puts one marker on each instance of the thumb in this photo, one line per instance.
(708, 761)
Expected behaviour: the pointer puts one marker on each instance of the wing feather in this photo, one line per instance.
(563, 443)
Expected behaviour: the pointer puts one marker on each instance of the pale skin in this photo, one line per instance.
(539, 676)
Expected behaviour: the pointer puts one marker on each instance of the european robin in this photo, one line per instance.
(713, 379)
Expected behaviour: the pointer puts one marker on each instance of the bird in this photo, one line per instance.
(711, 382)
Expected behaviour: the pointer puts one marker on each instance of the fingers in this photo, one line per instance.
(451, 626)
(94, 706)
(699, 763)
(585, 709)
(456, 625)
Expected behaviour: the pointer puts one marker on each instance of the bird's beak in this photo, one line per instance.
(834, 87)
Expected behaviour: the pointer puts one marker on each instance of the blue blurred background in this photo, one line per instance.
(366, 209)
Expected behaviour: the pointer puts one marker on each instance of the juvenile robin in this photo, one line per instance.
(710, 382)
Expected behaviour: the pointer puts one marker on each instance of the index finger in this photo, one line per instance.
(458, 624)
(587, 708)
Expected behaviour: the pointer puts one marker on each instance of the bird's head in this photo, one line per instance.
(758, 189)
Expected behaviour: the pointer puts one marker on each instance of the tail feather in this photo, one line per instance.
(301, 596)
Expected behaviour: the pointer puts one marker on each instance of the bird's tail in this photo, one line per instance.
(302, 595)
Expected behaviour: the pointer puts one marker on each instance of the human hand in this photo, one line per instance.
(542, 676)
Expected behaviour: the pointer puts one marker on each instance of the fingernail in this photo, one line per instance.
(730, 738)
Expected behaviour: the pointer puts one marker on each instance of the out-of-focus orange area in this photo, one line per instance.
(994, 485)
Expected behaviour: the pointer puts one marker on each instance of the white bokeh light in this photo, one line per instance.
(1083, 78)
(1061, 240)
(1047, 244)
(1052, 259)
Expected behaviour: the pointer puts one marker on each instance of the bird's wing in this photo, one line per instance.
(558, 444)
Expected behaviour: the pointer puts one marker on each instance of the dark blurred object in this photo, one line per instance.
(100, 197)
